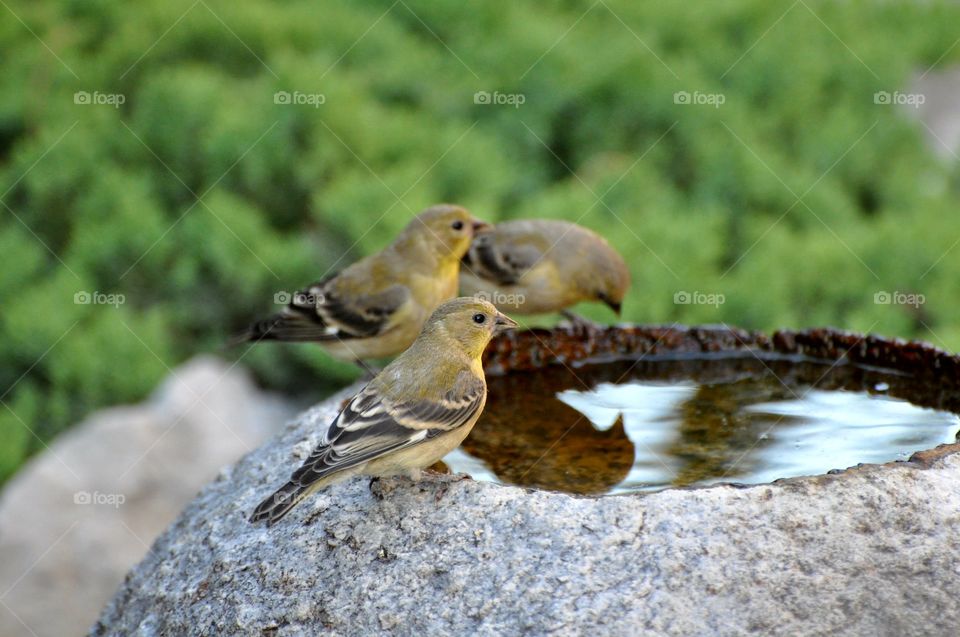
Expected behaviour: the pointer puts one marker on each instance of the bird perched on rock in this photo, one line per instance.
(414, 412)
(376, 307)
(534, 266)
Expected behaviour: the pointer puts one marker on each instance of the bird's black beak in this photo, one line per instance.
(502, 323)
(613, 305)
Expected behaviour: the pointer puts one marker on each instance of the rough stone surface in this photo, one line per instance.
(76, 518)
(871, 551)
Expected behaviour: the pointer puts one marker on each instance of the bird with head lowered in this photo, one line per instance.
(535, 266)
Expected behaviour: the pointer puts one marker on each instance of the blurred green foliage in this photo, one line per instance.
(200, 197)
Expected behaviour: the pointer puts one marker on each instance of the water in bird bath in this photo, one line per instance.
(641, 426)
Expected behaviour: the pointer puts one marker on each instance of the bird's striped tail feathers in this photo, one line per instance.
(293, 324)
(280, 503)
(259, 331)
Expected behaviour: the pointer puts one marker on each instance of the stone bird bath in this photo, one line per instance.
(870, 550)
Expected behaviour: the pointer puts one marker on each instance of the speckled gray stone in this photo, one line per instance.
(874, 551)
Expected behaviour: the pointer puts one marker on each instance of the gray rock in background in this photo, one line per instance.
(873, 551)
(940, 110)
(79, 515)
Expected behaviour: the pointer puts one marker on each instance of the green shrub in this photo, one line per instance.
(199, 197)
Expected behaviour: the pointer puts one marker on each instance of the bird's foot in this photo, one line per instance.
(580, 325)
(376, 487)
(438, 468)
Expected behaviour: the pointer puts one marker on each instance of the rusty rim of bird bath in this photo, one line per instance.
(913, 361)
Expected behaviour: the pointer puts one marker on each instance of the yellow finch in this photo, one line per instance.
(376, 307)
(414, 412)
(534, 266)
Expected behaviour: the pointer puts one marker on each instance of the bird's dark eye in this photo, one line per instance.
(457, 225)
(479, 318)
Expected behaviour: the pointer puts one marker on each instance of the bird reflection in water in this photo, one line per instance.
(528, 437)
(716, 437)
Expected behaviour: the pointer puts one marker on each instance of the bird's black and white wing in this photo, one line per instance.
(370, 427)
(321, 313)
(498, 259)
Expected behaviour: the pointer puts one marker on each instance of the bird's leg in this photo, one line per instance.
(415, 474)
(580, 324)
(368, 371)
